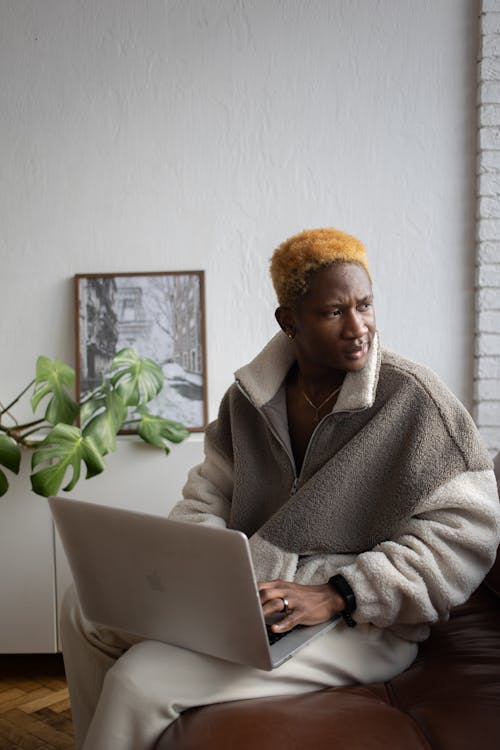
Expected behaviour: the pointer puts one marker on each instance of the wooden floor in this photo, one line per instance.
(35, 712)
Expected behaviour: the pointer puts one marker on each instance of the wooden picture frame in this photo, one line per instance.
(162, 316)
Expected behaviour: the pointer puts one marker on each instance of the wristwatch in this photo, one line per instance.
(341, 586)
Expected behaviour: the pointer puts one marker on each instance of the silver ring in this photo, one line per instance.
(285, 609)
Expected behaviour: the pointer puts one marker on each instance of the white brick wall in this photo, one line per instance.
(487, 329)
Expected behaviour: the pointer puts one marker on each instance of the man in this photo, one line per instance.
(362, 485)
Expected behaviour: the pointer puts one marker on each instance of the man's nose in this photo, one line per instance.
(354, 325)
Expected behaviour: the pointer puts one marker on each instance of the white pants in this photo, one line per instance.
(124, 694)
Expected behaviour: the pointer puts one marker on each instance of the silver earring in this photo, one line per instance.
(290, 336)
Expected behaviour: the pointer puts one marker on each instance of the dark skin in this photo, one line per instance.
(332, 328)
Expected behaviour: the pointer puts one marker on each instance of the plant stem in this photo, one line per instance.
(21, 427)
(30, 432)
(16, 432)
(9, 406)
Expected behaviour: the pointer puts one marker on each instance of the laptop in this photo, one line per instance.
(185, 584)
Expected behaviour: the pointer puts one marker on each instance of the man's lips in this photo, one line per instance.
(357, 352)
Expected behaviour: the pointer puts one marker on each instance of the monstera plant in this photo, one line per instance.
(70, 433)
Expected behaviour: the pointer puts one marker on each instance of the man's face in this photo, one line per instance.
(334, 323)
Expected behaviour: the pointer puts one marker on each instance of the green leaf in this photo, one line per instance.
(10, 453)
(4, 484)
(53, 378)
(136, 380)
(10, 457)
(156, 430)
(102, 415)
(64, 447)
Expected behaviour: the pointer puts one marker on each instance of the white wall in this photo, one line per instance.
(154, 135)
(142, 135)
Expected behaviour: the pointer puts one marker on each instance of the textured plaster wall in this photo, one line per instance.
(198, 134)
(144, 135)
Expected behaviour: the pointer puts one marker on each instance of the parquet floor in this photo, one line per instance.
(35, 712)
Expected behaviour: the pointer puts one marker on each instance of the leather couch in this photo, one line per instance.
(449, 699)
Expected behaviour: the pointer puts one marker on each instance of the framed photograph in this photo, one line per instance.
(161, 315)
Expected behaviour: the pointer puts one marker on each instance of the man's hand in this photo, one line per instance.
(307, 605)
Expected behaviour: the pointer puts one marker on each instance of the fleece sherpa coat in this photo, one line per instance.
(396, 491)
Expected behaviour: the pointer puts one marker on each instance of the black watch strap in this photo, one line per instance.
(340, 584)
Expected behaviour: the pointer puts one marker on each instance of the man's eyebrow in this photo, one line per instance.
(338, 303)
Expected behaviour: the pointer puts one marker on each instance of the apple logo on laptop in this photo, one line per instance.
(155, 581)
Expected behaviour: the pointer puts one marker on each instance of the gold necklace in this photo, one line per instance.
(317, 409)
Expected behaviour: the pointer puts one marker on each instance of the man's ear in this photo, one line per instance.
(284, 316)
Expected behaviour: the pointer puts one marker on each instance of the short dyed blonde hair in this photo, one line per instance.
(296, 258)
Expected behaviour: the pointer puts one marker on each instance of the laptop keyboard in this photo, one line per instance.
(273, 637)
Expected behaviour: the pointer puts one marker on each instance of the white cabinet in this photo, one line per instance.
(33, 570)
(27, 581)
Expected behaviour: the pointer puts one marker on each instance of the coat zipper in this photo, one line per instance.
(296, 480)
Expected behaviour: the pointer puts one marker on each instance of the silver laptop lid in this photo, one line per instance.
(191, 585)
(181, 583)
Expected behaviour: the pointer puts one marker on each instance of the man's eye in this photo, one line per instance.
(334, 313)
(365, 306)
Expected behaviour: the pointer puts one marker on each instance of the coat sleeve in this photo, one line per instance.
(437, 559)
(209, 488)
